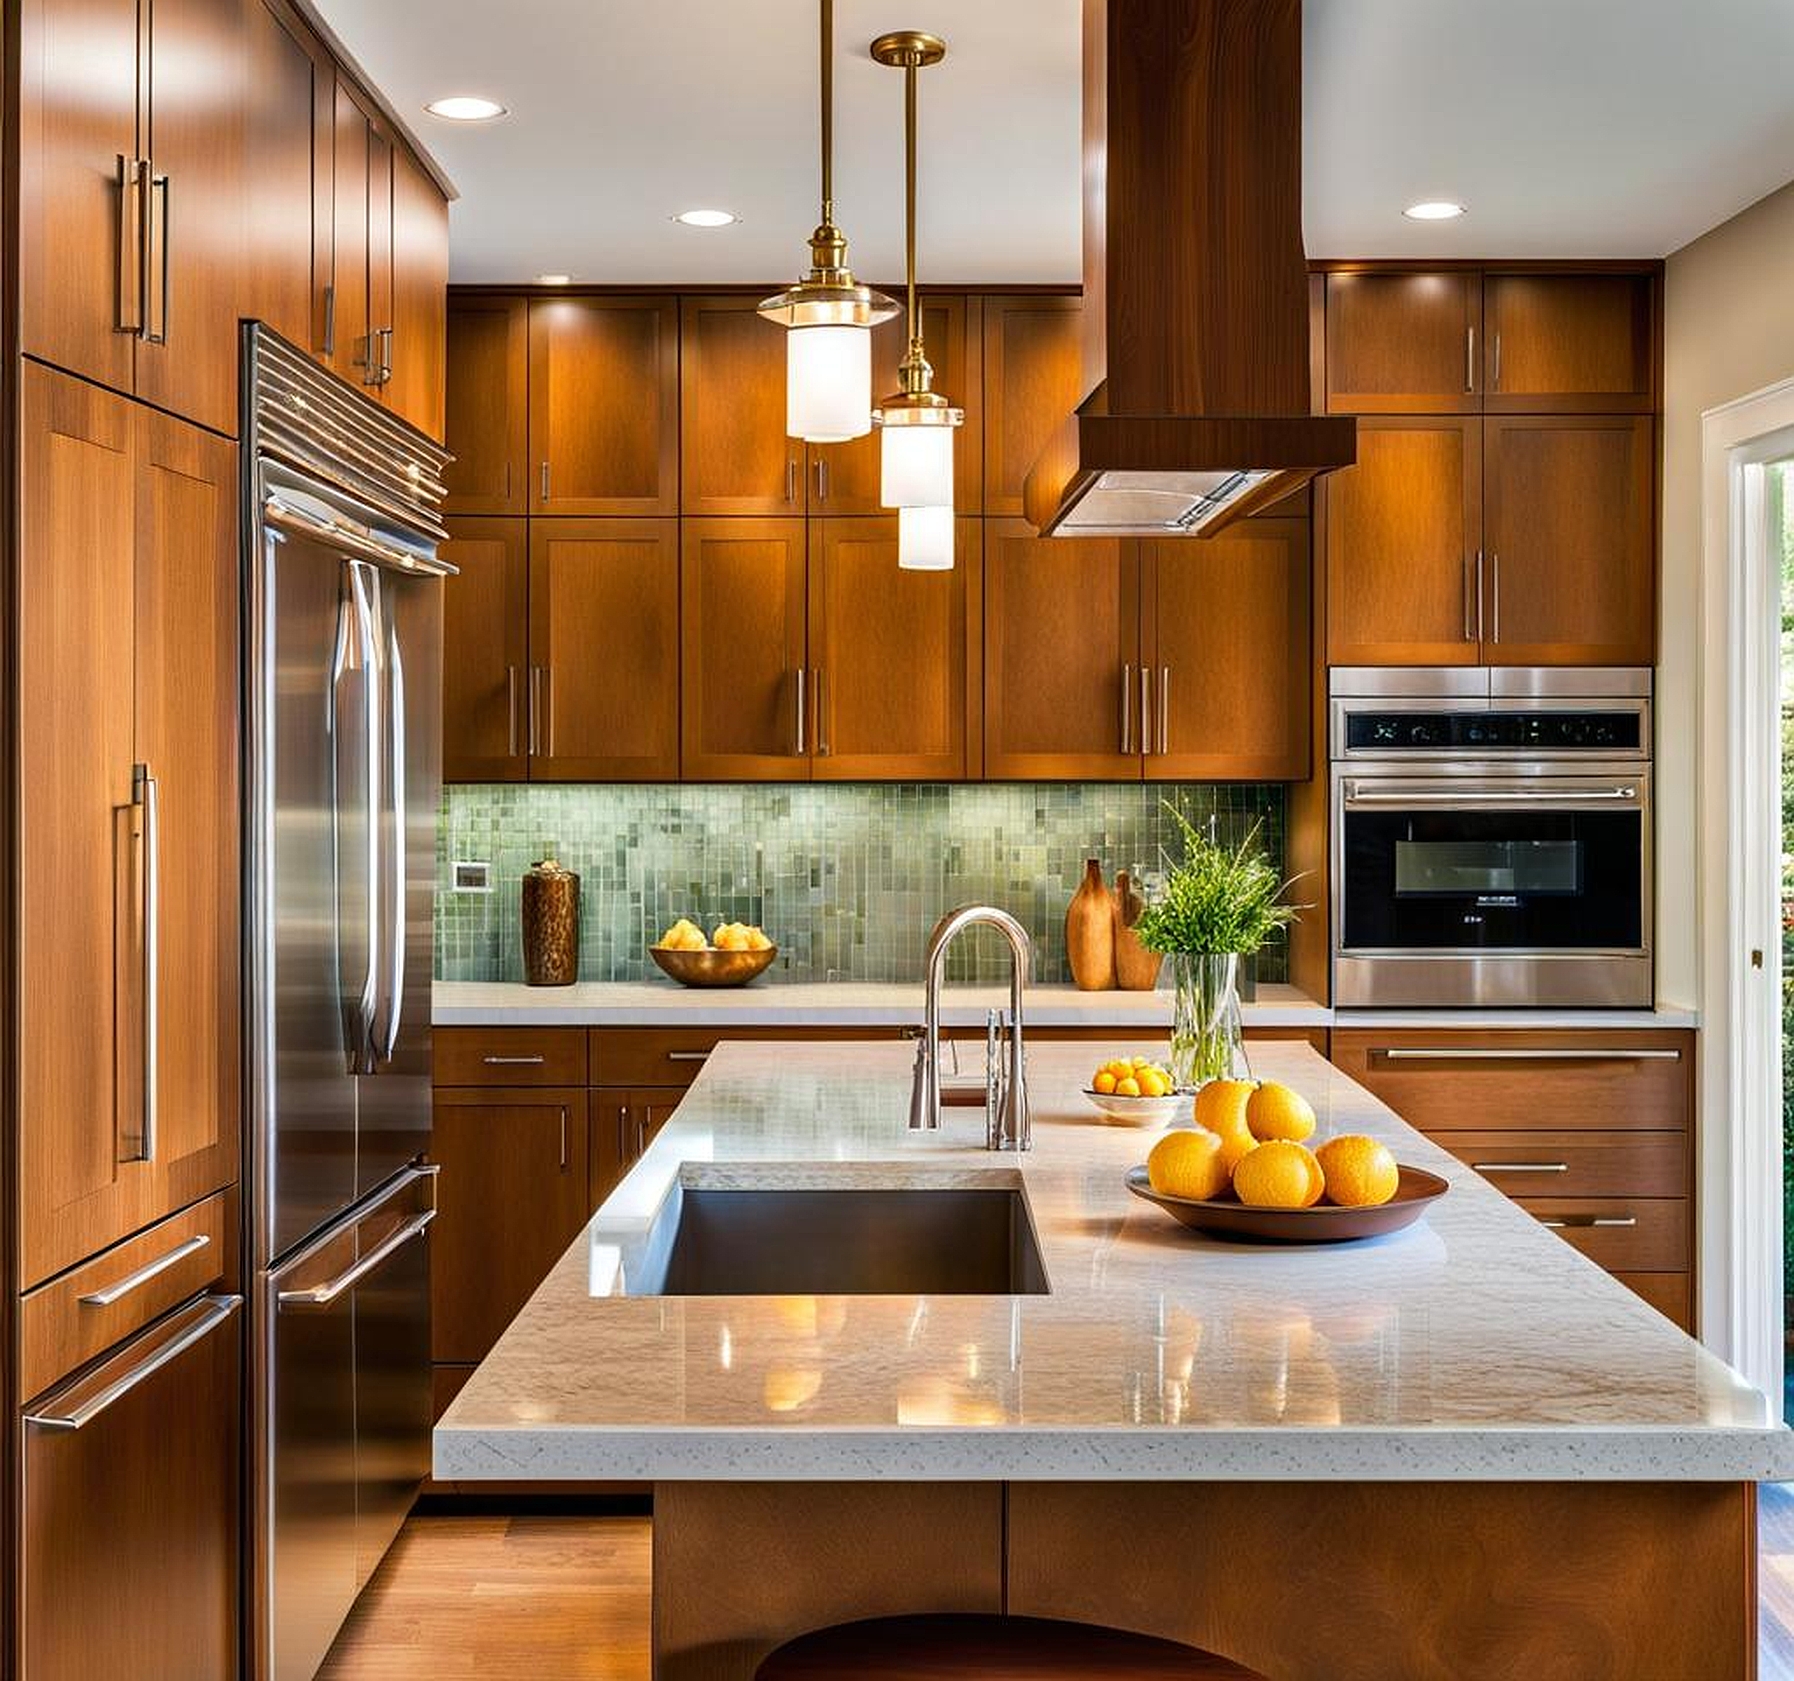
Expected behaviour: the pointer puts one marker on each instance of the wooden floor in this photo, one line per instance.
(566, 1599)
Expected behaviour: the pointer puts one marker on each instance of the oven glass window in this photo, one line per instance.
(1514, 881)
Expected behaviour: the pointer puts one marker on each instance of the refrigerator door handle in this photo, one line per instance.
(368, 1003)
(322, 1295)
(396, 844)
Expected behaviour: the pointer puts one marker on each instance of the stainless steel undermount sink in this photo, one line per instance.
(825, 1241)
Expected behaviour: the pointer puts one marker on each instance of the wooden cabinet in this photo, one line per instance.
(128, 1070)
(1225, 643)
(1403, 535)
(604, 650)
(604, 405)
(1403, 343)
(488, 406)
(745, 711)
(511, 1196)
(417, 347)
(131, 210)
(485, 651)
(1569, 343)
(350, 319)
(887, 656)
(1570, 536)
(1033, 379)
(1061, 655)
(734, 455)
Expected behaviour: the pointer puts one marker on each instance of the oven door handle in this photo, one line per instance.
(1433, 797)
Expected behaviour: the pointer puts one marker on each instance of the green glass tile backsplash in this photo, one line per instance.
(847, 879)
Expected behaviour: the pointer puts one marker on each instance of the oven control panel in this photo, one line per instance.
(1551, 732)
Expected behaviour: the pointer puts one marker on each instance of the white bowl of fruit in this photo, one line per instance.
(1134, 1091)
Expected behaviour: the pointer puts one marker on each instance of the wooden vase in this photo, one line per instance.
(1090, 932)
(1136, 968)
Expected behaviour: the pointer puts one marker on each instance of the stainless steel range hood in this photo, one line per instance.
(1196, 346)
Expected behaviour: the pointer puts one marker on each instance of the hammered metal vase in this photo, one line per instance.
(550, 925)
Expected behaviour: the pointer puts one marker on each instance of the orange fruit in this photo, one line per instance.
(1152, 1083)
(1130, 1087)
(1103, 1082)
(1187, 1163)
(1221, 1108)
(1359, 1171)
(1279, 1174)
(1274, 1111)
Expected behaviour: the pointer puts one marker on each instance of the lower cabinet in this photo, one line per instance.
(1590, 1132)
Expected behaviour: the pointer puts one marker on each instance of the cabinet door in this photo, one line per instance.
(612, 1121)
(280, 277)
(734, 455)
(1226, 628)
(485, 651)
(1033, 379)
(1061, 655)
(745, 713)
(79, 281)
(846, 478)
(1570, 530)
(511, 1196)
(187, 356)
(1577, 343)
(1404, 343)
(1403, 539)
(380, 261)
(348, 307)
(604, 650)
(604, 405)
(417, 350)
(642, 1113)
(887, 656)
(187, 738)
(83, 1180)
(488, 406)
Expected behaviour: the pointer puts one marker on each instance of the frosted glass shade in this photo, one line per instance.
(828, 383)
(925, 539)
(917, 466)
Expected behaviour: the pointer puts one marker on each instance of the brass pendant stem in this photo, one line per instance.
(909, 196)
(828, 113)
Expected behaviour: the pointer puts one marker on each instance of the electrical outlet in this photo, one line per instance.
(471, 877)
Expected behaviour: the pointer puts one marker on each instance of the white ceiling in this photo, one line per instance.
(1570, 128)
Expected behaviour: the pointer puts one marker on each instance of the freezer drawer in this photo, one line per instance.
(347, 1362)
(131, 1508)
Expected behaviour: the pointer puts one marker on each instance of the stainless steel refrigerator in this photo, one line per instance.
(344, 650)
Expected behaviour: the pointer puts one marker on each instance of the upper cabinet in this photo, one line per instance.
(604, 405)
(1033, 379)
(417, 340)
(349, 330)
(1401, 343)
(485, 651)
(132, 211)
(488, 406)
(734, 455)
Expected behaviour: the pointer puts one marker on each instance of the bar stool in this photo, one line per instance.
(979, 1648)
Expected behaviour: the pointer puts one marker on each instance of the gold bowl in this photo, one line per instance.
(711, 967)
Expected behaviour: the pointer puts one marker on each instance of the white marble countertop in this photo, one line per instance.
(1476, 1345)
(662, 1003)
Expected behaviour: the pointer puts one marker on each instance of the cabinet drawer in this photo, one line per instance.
(1622, 1234)
(68, 1321)
(1572, 1164)
(1670, 1293)
(510, 1056)
(1553, 1081)
(672, 1056)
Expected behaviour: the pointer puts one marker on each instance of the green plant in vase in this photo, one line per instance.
(1217, 905)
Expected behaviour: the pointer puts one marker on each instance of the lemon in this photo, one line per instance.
(1274, 1111)
(1221, 1108)
(1130, 1087)
(1359, 1171)
(1279, 1174)
(1187, 1163)
(1152, 1083)
(1103, 1082)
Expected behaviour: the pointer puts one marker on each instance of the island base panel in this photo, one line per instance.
(1306, 1581)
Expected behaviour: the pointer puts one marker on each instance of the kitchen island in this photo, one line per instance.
(1462, 1450)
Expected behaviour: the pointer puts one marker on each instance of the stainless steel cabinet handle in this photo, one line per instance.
(623, 1132)
(563, 1138)
(322, 1295)
(535, 710)
(130, 245)
(790, 478)
(1496, 377)
(511, 710)
(1495, 594)
(151, 1269)
(146, 792)
(329, 320)
(547, 710)
(1594, 1220)
(386, 355)
(217, 1310)
(820, 724)
(513, 1061)
(1164, 709)
(1473, 591)
(1146, 710)
(544, 481)
(688, 1056)
(1127, 709)
(1469, 358)
(155, 258)
(821, 478)
(1537, 1053)
(1521, 1167)
(800, 712)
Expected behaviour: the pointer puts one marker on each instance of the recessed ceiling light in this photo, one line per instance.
(465, 108)
(1434, 210)
(554, 280)
(705, 218)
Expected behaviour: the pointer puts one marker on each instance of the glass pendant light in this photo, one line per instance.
(917, 423)
(830, 316)
(925, 539)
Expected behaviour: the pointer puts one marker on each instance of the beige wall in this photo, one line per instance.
(1728, 331)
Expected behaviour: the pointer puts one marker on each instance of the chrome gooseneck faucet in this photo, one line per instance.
(1006, 1112)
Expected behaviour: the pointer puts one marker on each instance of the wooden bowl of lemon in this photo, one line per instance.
(1134, 1091)
(1244, 1169)
(732, 956)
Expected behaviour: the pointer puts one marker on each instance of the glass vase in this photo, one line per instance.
(1207, 1042)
